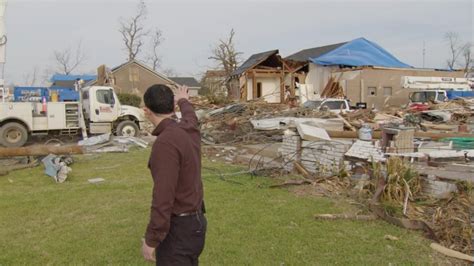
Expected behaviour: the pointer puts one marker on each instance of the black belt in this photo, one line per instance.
(184, 214)
(193, 213)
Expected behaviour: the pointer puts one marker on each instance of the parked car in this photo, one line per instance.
(333, 105)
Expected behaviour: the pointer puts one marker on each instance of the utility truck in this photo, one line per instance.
(437, 89)
(98, 111)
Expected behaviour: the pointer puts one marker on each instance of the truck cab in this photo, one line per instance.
(426, 96)
(104, 113)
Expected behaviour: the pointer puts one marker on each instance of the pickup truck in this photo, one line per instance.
(333, 105)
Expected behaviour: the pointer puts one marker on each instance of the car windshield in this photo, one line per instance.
(334, 105)
(423, 96)
(312, 104)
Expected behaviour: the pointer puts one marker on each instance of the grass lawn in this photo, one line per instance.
(42, 222)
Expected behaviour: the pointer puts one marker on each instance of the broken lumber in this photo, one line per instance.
(37, 150)
(418, 134)
(344, 217)
(291, 183)
(451, 253)
(346, 123)
(302, 170)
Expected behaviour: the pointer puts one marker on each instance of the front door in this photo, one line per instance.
(104, 107)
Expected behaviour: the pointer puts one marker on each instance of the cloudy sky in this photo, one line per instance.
(36, 28)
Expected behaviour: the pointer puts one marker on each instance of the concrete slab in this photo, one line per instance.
(308, 132)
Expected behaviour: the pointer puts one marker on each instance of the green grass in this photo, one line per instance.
(42, 222)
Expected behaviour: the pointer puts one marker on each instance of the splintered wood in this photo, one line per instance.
(332, 90)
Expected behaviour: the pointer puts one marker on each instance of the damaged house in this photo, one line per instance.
(367, 74)
(266, 75)
(135, 77)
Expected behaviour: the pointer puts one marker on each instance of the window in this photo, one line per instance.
(259, 89)
(387, 91)
(105, 96)
(134, 74)
(372, 91)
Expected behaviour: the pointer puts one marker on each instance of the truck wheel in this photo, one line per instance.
(127, 128)
(13, 135)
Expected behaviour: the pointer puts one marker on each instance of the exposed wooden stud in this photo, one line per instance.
(254, 86)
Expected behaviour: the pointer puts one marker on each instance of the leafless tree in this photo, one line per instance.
(31, 78)
(133, 31)
(169, 72)
(455, 48)
(467, 55)
(69, 59)
(154, 57)
(226, 56)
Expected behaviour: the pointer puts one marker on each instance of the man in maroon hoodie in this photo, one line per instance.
(177, 227)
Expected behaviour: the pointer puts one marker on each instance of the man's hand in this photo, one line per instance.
(148, 252)
(181, 93)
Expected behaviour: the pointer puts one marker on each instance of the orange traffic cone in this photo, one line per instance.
(44, 105)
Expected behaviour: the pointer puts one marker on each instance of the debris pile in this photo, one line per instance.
(234, 123)
(57, 167)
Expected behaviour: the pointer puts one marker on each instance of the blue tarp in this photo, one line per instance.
(359, 52)
(62, 77)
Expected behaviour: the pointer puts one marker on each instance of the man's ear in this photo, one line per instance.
(147, 111)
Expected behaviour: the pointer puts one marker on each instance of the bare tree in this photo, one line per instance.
(133, 31)
(154, 57)
(169, 72)
(68, 60)
(455, 49)
(467, 55)
(31, 78)
(226, 56)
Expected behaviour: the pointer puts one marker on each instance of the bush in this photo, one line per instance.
(130, 99)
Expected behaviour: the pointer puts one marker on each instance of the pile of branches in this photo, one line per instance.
(394, 194)
(397, 189)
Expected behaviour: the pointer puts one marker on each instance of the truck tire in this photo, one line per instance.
(127, 128)
(13, 135)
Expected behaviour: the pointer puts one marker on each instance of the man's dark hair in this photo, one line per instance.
(159, 99)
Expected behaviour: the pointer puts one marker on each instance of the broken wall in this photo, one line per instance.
(318, 76)
(323, 157)
(379, 87)
(270, 89)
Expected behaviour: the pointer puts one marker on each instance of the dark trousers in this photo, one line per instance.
(184, 242)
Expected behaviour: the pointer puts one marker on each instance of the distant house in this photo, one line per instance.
(192, 84)
(135, 77)
(214, 81)
(69, 81)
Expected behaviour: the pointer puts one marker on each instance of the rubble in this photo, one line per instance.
(57, 167)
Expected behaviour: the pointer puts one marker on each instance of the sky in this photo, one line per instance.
(37, 28)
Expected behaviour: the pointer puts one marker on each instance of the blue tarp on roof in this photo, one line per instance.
(62, 77)
(359, 52)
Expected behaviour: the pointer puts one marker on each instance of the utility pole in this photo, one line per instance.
(424, 50)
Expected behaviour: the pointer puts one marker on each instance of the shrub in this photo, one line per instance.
(129, 99)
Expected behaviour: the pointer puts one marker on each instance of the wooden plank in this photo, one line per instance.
(254, 86)
(244, 90)
(451, 253)
(282, 88)
(346, 123)
(267, 75)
